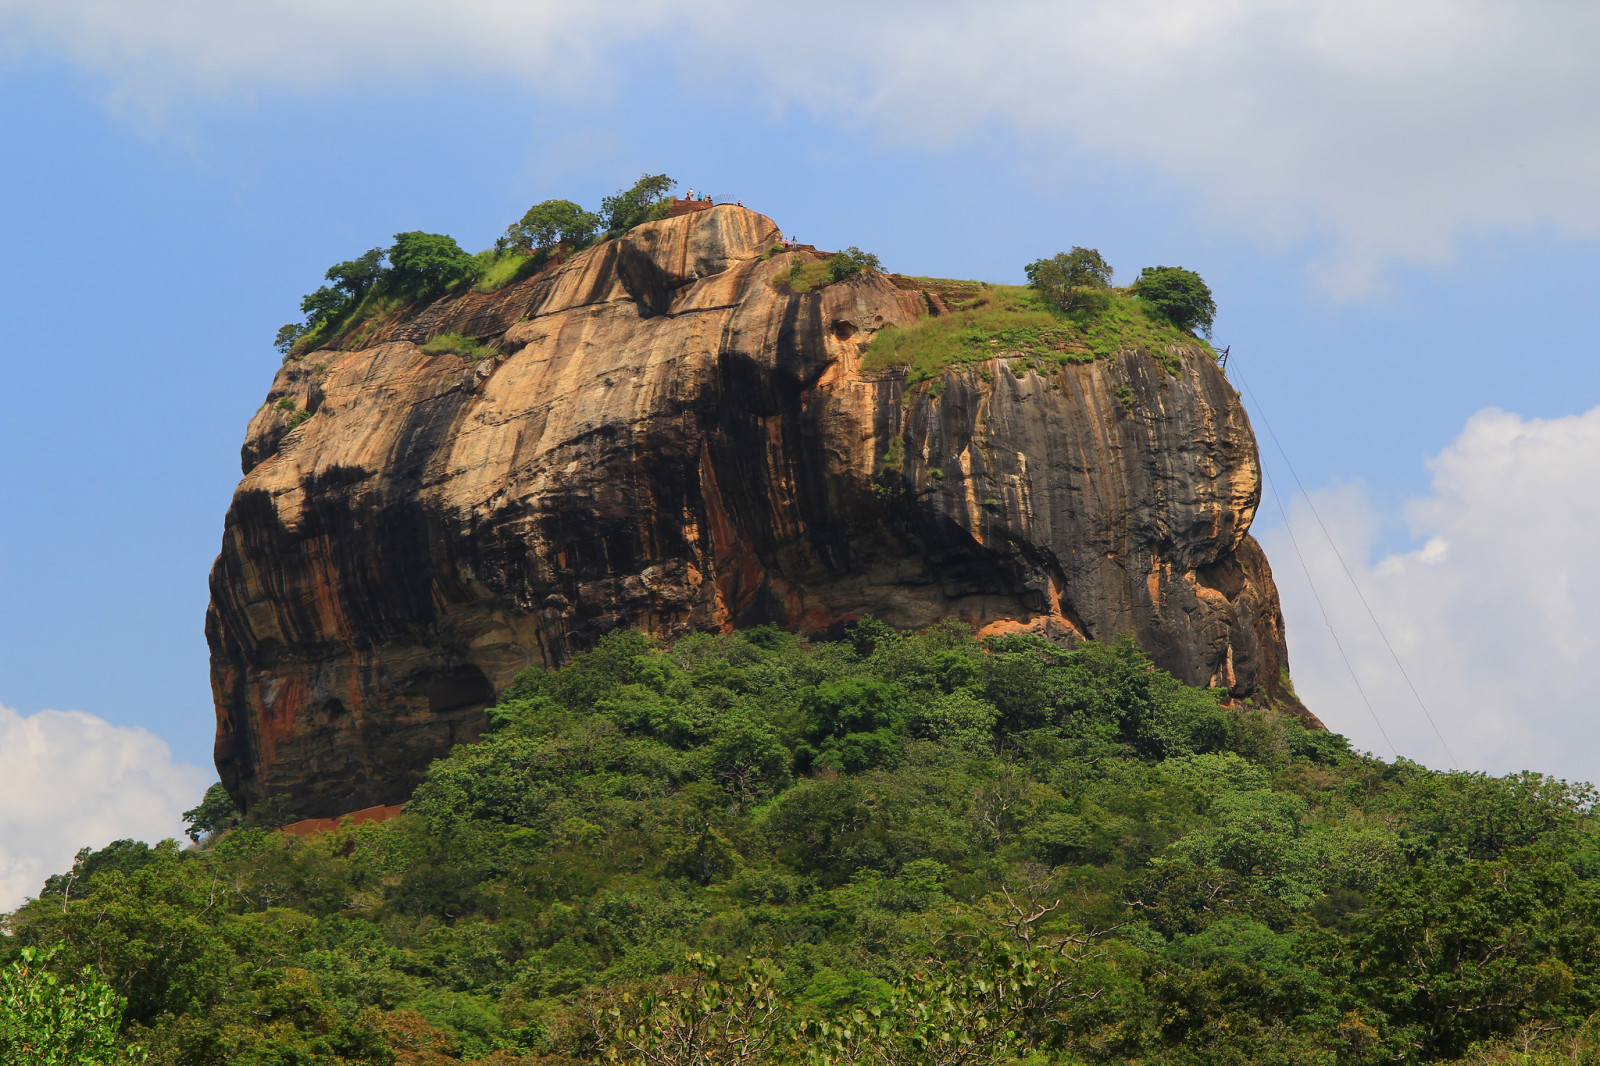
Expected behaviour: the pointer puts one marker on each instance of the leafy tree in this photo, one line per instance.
(355, 276)
(551, 223)
(273, 812)
(851, 262)
(422, 265)
(287, 335)
(324, 305)
(708, 1016)
(643, 201)
(47, 1022)
(1073, 280)
(1453, 955)
(119, 856)
(215, 812)
(1178, 294)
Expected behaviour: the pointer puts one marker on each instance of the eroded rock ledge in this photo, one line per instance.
(675, 441)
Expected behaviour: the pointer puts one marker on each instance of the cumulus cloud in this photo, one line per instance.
(1387, 130)
(70, 780)
(1496, 615)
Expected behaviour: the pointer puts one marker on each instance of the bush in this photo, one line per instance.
(497, 269)
(324, 305)
(216, 810)
(810, 275)
(423, 265)
(458, 344)
(287, 335)
(851, 262)
(354, 277)
(643, 202)
(551, 223)
(1071, 281)
(1178, 294)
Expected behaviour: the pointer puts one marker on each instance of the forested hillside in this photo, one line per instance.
(899, 848)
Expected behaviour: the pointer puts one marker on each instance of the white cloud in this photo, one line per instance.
(70, 780)
(1496, 617)
(1389, 130)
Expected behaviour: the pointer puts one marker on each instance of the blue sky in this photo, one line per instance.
(1397, 213)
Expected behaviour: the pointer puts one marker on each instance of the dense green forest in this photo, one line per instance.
(898, 848)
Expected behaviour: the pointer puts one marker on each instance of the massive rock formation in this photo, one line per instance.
(673, 440)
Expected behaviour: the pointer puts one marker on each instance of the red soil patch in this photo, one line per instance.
(307, 827)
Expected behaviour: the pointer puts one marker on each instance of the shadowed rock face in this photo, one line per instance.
(676, 442)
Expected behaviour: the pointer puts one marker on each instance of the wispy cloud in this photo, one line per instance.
(1496, 615)
(70, 780)
(1386, 131)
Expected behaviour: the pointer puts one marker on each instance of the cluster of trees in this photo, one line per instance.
(420, 266)
(1080, 281)
(900, 847)
(558, 223)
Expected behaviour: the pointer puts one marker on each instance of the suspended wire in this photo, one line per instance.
(1454, 763)
(1273, 489)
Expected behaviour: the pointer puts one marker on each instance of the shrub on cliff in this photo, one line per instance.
(810, 275)
(1018, 322)
(1071, 281)
(287, 336)
(850, 262)
(466, 347)
(352, 280)
(1178, 294)
(356, 277)
(644, 201)
(552, 223)
(422, 265)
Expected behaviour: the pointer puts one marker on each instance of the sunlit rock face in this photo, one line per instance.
(672, 440)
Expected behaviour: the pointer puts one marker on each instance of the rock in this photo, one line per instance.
(672, 440)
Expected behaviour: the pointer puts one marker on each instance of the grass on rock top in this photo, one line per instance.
(988, 321)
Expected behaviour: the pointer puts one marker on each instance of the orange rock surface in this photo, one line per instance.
(673, 440)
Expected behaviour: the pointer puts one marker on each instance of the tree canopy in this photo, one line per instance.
(643, 201)
(47, 1019)
(425, 264)
(550, 223)
(899, 847)
(216, 811)
(1178, 294)
(1071, 280)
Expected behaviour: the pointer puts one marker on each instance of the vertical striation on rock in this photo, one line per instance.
(673, 440)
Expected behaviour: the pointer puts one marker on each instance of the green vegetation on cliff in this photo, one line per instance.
(1067, 313)
(1016, 321)
(896, 848)
(422, 266)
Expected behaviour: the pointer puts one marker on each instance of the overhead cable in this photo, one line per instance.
(1347, 573)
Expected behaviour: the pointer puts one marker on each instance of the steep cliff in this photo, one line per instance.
(672, 439)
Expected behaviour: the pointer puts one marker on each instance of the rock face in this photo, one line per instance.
(675, 441)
